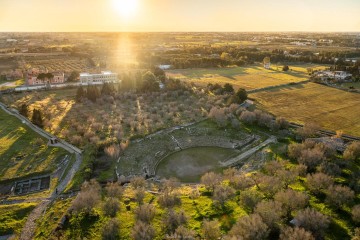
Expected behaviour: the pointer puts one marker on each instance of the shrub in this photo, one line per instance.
(169, 199)
(210, 180)
(222, 193)
(114, 190)
(172, 220)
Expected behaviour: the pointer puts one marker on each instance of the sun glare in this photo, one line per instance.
(126, 8)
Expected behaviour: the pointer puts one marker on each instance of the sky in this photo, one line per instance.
(179, 15)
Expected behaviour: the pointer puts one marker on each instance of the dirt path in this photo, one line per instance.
(27, 232)
(248, 153)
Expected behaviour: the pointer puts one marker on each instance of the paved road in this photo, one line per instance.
(248, 153)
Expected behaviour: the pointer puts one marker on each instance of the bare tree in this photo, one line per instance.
(250, 227)
(169, 199)
(183, 233)
(111, 207)
(296, 233)
(352, 151)
(308, 130)
(250, 198)
(172, 220)
(210, 180)
(111, 230)
(145, 213)
(138, 182)
(139, 195)
(222, 194)
(292, 200)
(88, 197)
(355, 212)
(271, 213)
(318, 182)
(338, 196)
(142, 231)
(211, 230)
(313, 221)
(114, 190)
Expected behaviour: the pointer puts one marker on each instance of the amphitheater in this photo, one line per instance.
(144, 156)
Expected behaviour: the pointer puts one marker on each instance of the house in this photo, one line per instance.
(98, 78)
(267, 63)
(36, 77)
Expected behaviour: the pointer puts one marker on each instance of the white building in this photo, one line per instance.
(98, 78)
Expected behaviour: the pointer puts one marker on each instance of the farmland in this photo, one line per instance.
(22, 151)
(333, 109)
(250, 78)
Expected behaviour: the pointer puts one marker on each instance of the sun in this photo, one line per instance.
(126, 8)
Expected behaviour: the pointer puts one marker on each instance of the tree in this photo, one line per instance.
(285, 68)
(145, 213)
(271, 213)
(250, 227)
(356, 235)
(228, 88)
(248, 117)
(318, 182)
(296, 233)
(139, 195)
(169, 199)
(250, 198)
(92, 93)
(210, 180)
(111, 230)
(211, 230)
(80, 93)
(352, 152)
(37, 118)
(74, 76)
(241, 95)
(355, 213)
(311, 158)
(172, 220)
(313, 221)
(111, 207)
(114, 190)
(149, 82)
(222, 193)
(138, 182)
(142, 231)
(291, 200)
(88, 197)
(337, 195)
(107, 89)
(308, 130)
(183, 233)
(24, 110)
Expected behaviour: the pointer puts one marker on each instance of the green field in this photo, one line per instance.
(22, 151)
(333, 109)
(13, 217)
(251, 77)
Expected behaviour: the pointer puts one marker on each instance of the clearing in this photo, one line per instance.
(250, 78)
(332, 108)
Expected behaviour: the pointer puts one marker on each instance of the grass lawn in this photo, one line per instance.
(356, 85)
(13, 217)
(331, 108)
(22, 151)
(251, 77)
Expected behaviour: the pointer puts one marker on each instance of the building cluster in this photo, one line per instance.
(36, 77)
(338, 76)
